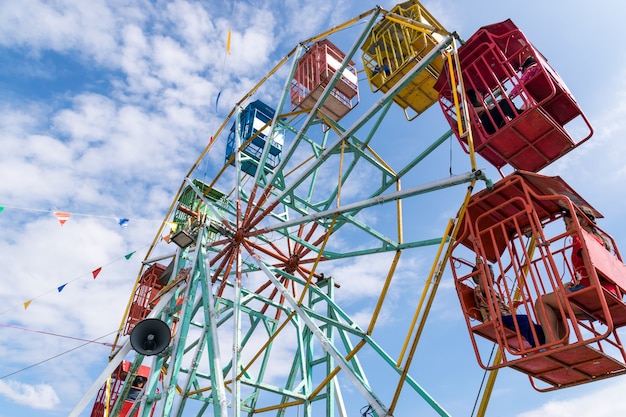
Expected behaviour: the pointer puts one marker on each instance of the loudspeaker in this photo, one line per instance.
(150, 337)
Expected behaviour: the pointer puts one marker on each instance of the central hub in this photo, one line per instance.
(238, 236)
(292, 264)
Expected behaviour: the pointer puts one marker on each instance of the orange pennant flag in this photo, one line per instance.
(27, 303)
(96, 272)
(62, 216)
(167, 238)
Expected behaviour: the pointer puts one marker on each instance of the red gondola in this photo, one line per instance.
(115, 388)
(150, 284)
(528, 125)
(517, 228)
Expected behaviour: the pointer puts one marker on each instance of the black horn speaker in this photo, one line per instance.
(150, 337)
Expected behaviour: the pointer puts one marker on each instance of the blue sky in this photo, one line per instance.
(104, 106)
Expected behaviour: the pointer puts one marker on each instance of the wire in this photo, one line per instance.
(226, 53)
(56, 356)
(482, 382)
(77, 214)
(366, 411)
(58, 289)
(57, 335)
(450, 141)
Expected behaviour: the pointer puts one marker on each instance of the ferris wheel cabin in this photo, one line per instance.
(146, 294)
(533, 120)
(191, 208)
(119, 378)
(395, 46)
(513, 248)
(254, 132)
(315, 71)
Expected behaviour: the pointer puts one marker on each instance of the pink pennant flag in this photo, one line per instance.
(96, 272)
(62, 216)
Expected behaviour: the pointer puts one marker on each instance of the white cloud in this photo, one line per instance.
(135, 62)
(252, 44)
(40, 396)
(67, 25)
(316, 14)
(597, 403)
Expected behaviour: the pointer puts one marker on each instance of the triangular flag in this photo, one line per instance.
(217, 100)
(173, 226)
(61, 287)
(62, 216)
(27, 303)
(123, 223)
(167, 238)
(96, 272)
(1, 208)
(228, 43)
(129, 255)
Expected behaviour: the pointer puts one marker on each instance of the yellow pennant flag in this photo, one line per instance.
(27, 303)
(173, 226)
(228, 43)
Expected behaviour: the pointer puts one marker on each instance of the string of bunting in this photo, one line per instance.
(93, 273)
(64, 216)
(61, 287)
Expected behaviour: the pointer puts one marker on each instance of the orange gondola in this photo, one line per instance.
(516, 228)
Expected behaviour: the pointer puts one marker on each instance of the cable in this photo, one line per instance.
(55, 356)
(450, 141)
(56, 334)
(77, 214)
(58, 289)
(482, 382)
(367, 411)
(226, 53)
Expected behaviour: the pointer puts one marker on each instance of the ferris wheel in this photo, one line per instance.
(237, 310)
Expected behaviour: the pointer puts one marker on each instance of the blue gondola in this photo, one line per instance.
(254, 126)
